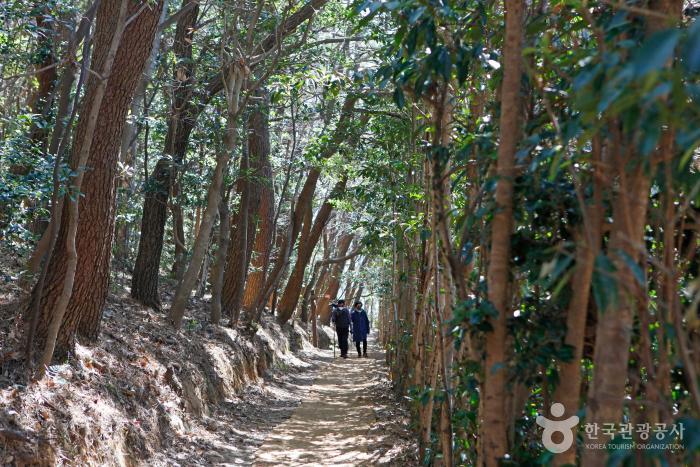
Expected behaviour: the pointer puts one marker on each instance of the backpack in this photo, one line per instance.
(342, 318)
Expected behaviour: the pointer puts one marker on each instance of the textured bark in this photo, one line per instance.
(314, 329)
(180, 124)
(263, 238)
(144, 281)
(138, 107)
(72, 201)
(309, 291)
(614, 327)
(238, 254)
(96, 223)
(321, 302)
(279, 269)
(255, 178)
(290, 297)
(494, 393)
(217, 272)
(178, 268)
(204, 270)
(41, 100)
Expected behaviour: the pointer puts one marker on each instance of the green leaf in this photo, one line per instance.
(634, 267)
(445, 63)
(691, 54)
(416, 14)
(656, 51)
(399, 98)
(604, 283)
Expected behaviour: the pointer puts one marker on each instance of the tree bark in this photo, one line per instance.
(614, 328)
(303, 203)
(65, 111)
(236, 76)
(41, 100)
(217, 272)
(587, 247)
(334, 277)
(96, 224)
(254, 179)
(262, 246)
(290, 297)
(144, 282)
(494, 413)
(312, 284)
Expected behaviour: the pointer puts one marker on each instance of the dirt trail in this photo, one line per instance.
(336, 423)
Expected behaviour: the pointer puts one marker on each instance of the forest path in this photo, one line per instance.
(332, 424)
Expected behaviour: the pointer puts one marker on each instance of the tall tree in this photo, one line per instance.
(251, 185)
(290, 296)
(96, 222)
(493, 434)
(626, 248)
(191, 102)
(333, 279)
(181, 121)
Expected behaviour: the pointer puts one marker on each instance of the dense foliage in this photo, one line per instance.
(513, 188)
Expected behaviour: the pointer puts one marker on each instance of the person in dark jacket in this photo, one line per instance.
(341, 318)
(360, 328)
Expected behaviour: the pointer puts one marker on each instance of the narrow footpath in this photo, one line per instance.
(332, 425)
(321, 411)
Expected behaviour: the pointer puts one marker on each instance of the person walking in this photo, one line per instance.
(341, 318)
(360, 328)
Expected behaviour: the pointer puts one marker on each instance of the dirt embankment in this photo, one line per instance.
(144, 392)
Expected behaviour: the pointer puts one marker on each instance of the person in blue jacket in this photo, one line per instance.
(360, 328)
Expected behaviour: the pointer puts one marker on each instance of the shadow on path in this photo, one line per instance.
(332, 424)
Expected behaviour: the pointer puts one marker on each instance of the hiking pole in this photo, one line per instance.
(334, 346)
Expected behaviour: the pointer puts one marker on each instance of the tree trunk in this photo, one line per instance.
(334, 276)
(260, 258)
(236, 76)
(494, 413)
(41, 100)
(614, 328)
(155, 205)
(178, 268)
(186, 109)
(96, 224)
(138, 105)
(73, 210)
(588, 245)
(238, 254)
(217, 272)
(290, 297)
(67, 100)
(314, 321)
(144, 281)
(255, 177)
(304, 201)
(311, 285)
